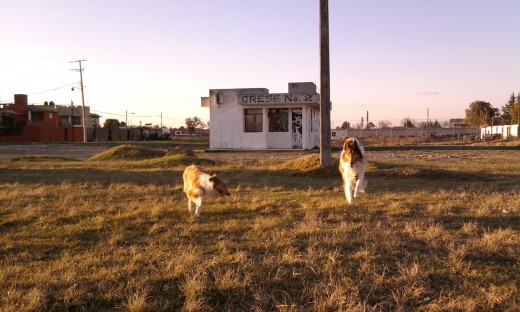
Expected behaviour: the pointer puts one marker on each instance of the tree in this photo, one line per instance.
(383, 124)
(430, 124)
(193, 123)
(506, 109)
(514, 111)
(480, 113)
(408, 123)
(111, 123)
(345, 125)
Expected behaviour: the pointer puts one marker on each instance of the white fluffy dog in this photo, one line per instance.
(199, 184)
(352, 165)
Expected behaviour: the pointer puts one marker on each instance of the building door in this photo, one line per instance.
(297, 137)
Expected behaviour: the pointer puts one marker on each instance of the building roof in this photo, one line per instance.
(65, 111)
(42, 108)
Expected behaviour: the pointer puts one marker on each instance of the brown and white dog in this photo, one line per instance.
(199, 184)
(352, 165)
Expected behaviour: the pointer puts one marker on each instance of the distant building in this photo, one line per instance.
(21, 122)
(457, 122)
(179, 131)
(504, 132)
(257, 119)
(184, 131)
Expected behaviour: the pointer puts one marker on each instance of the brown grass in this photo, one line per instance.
(431, 234)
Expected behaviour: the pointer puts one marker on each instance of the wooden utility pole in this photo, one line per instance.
(83, 118)
(325, 144)
(71, 119)
(427, 125)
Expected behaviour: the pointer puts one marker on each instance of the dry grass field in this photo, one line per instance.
(437, 230)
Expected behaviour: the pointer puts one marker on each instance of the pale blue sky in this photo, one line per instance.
(395, 59)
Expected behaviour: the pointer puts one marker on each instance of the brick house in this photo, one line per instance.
(21, 122)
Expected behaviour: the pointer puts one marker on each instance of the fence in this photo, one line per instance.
(396, 132)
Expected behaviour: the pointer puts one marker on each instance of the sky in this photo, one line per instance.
(146, 59)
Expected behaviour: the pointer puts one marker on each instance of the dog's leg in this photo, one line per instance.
(360, 186)
(348, 191)
(190, 205)
(198, 202)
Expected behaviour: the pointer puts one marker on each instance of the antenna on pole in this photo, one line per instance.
(83, 118)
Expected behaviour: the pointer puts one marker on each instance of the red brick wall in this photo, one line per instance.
(45, 134)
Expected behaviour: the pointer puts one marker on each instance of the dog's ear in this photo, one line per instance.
(346, 144)
(355, 144)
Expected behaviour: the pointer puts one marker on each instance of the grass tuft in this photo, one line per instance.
(175, 160)
(127, 152)
(310, 164)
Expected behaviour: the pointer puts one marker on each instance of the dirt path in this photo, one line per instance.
(75, 151)
(82, 151)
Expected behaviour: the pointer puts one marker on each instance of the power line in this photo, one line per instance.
(143, 92)
(28, 55)
(41, 92)
(138, 116)
(67, 85)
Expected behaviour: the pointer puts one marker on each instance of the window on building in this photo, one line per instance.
(253, 120)
(51, 116)
(278, 120)
(37, 116)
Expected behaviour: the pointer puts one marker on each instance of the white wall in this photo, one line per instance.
(506, 131)
(227, 123)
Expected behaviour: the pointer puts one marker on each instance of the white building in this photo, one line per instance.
(257, 119)
(506, 131)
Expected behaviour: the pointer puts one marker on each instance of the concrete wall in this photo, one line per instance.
(393, 132)
(108, 135)
(227, 123)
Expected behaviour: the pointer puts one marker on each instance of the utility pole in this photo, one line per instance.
(161, 126)
(71, 119)
(84, 119)
(325, 144)
(427, 124)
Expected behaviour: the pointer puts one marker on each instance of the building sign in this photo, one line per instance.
(278, 98)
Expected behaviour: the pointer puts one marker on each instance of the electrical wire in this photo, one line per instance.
(41, 92)
(27, 55)
(68, 85)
